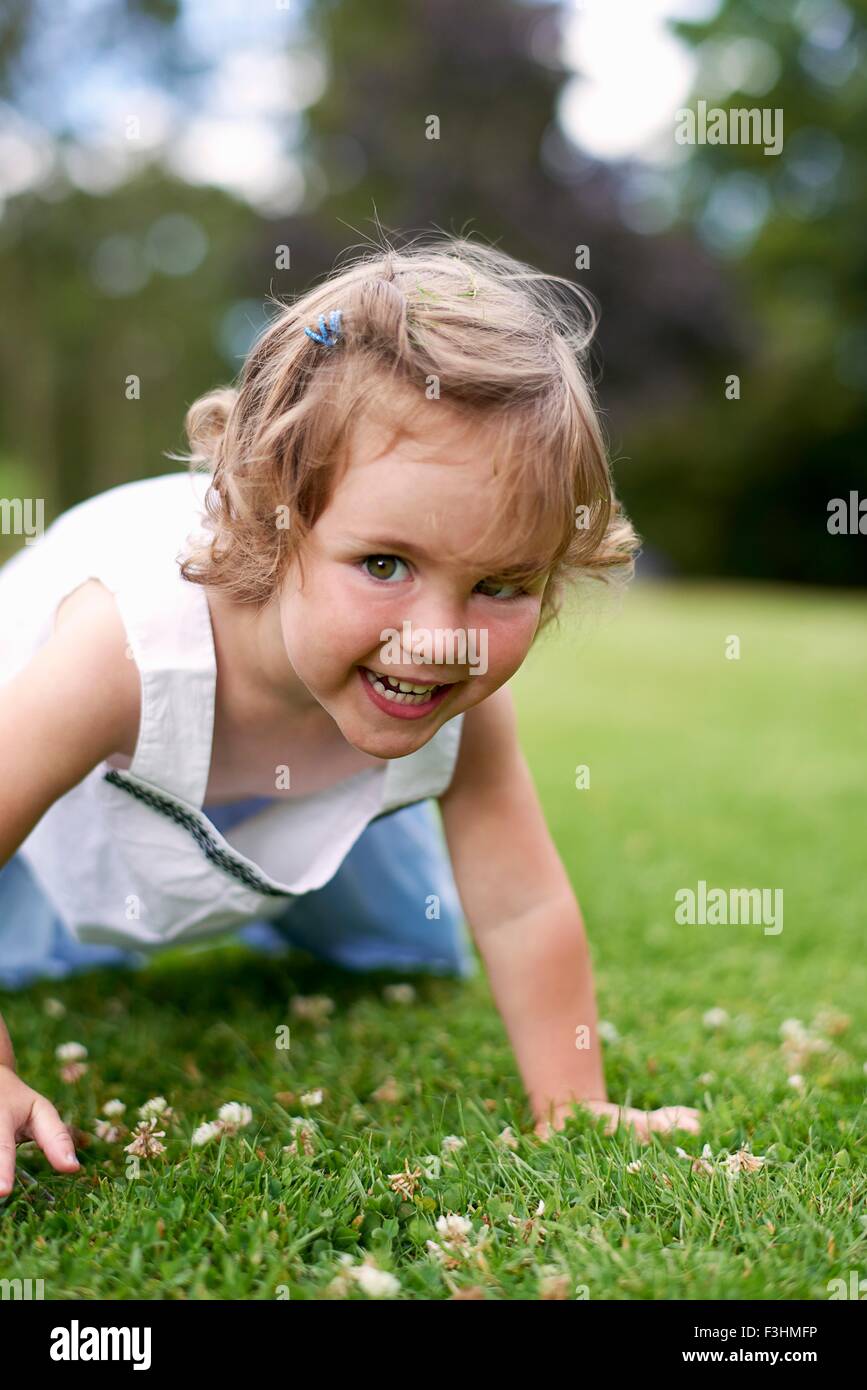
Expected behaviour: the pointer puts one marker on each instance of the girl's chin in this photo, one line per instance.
(404, 738)
(397, 738)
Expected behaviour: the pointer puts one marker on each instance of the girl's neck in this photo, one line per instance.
(252, 664)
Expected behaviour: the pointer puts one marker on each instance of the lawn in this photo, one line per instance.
(744, 773)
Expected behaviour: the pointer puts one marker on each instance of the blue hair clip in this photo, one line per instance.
(326, 336)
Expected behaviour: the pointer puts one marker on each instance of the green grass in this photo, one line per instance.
(743, 773)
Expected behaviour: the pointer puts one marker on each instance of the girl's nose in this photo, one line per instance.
(436, 610)
(436, 631)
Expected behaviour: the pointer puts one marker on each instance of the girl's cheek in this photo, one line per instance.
(509, 640)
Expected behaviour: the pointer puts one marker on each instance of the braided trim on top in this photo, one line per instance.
(223, 859)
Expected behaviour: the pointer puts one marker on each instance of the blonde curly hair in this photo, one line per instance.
(440, 320)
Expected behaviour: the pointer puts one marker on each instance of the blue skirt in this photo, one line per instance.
(372, 915)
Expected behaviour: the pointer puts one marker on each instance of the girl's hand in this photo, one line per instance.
(25, 1114)
(643, 1122)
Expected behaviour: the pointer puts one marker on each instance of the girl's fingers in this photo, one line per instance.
(638, 1120)
(7, 1156)
(676, 1117)
(664, 1121)
(52, 1136)
(617, 1115)
(641, 1122)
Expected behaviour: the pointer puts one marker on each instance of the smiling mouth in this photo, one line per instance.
(403, 692)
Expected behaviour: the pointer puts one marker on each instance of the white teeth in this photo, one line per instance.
(405, 694)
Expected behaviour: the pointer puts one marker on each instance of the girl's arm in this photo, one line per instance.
(527, 924)
(7, 1055)
(75, 703)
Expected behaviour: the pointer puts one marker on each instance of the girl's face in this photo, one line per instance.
(381, 578)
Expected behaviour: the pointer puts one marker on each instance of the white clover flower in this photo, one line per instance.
(233, 1116)
(113, 1107)
(70, 1052)
(108, 1132)
(553, 1283)
(453, 1227)
(796, 1081)
(793, 1028)
(388, 1093)
(451, 1143)
(312, 1098)
(72, 1071)
(405, 1182)
(157, 1108)
(830, 1021)
(339, 1286)
(297, 1122)
(204, 1133)
(704, 1164)
(314, 1008)
(399, 994)
(634, 1166)
(375, 1282)
(304, 1131)
(715, 1018)
(608, 1031)
(799, 1045)
(453, 1246)
(146, 1140)
(508, 1138)
(743, 1162)
(54, 1008)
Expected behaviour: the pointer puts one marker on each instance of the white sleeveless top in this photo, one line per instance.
(129, 858)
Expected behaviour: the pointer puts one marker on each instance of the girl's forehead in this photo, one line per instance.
(402, 481)
(444, 481)
(435, 527)
(453, 471)
(409, 426)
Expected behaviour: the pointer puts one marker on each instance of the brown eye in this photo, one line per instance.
(382, 566)
(498, 584)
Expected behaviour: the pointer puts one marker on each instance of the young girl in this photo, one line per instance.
(227, 697)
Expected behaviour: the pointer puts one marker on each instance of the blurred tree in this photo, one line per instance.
(741, 487)
(716, 486)
(96, 383)
(501, 167)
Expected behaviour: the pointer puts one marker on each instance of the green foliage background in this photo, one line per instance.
(715, 486)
